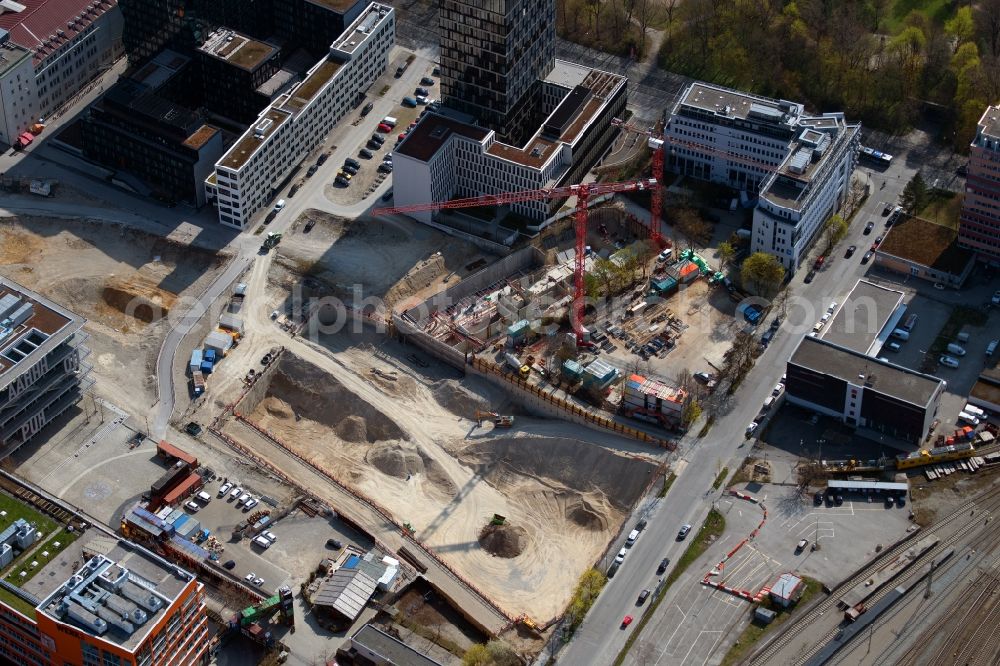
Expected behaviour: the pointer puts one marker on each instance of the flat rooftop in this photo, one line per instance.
(236, 49)
(862, 316)
(10, 55)
(432, 132)
(990, 122)
(160, 69)
(926, 243)
(362, 26)
(317, 78)
(30, 327)
(339, 6)
(253, 139)
(390, 649)
(730, 103)
(117, 577)
(822, 356)
(200, 137)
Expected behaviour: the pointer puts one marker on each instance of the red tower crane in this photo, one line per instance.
(583, 192)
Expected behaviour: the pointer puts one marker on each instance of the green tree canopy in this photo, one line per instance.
(762, 274)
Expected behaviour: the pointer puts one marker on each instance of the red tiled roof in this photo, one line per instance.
(42, 19)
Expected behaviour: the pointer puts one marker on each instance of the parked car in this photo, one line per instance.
(422, 92)
(818, 498)
(192, 429)
(350, 161)
(683, 532)
(642, 598)
(250, 577)
(703, 377)
(868, 255)
(850, 251)
(378, 139)
(751, 429)
(948, 361)
(192, 506)
(311, 171)
(664, 563)
(620, 557)
(367, 154)
(887, 209)
(778, 388)
(385, 167)
(334, 543)
(251, 503)
(230, 564)
(869, 227)
(237, 491)
(243, 499)
(372, 145)
(426, 81)
(385, 129)
(801, 545)
(410, 102)
(258, 581)
(367, 109)
(343, 182)
(350, 169)
(893, 346)
(226, 487)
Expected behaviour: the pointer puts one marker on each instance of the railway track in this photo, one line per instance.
(989, 500)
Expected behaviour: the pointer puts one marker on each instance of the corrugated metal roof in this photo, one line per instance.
(346, 591)
(867, 485)
(786, 586)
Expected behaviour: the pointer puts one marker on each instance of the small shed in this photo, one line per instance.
(572, 369)
(764, 615)
(519, 329)
(219, 341)
(231, 322)
(599, 373)
(787, 589)
(663, 285)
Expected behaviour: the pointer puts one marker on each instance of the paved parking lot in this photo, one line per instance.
(703, 630)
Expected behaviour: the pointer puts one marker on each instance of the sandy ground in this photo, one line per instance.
(420, 456)
(120, 279)
(397, 260)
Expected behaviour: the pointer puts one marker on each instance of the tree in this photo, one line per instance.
(726, 252)
(915, 195)
(762, 274)
(690, 413)
(476, 655)
(988, 22)
(690, 224)
(780, 302)
(961, 26)
(878, 9)
(835, 230)
(740, 357)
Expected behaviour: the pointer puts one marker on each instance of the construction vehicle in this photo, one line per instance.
(498, 420)
(854, 612)
(251, 620)
(583, 192)
(271, 241)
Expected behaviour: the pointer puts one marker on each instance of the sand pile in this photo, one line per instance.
(503, 540)
(464, 397)
(395, 460)
(138, 298)
(310, 393)
(436, 474)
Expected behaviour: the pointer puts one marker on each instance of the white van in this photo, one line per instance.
(262, 542)
(390, 121)
(992, 347)
(968, 418)
(278, 206)
(900, 334)
(632, 536)
(204, 497)
(975, 411)
(769, 402)
(956, 349)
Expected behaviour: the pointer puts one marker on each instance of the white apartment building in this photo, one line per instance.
(71, 42)
(811, 184)
(798, 164)
(246, 177)
(443, 157)
(18, 103)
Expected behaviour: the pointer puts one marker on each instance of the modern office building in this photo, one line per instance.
(233, 67)
(799, 165)
(91, 599)
(493, 54)
(979, 227)
(71, 43)
(132, 128)
(42, 369)
(246, 177)
(443, 157)
(875, 396)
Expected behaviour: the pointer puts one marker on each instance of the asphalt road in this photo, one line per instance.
(599, 638)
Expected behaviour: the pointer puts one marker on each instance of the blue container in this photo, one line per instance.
(210, 355)
(196, 358)
(206, 367)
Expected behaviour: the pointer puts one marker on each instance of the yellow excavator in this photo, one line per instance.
(498, 420)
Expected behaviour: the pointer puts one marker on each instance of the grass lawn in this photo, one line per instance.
(938, 11)
(715, 525)
(721, 478)
(667, 482)
(944, 210)
(21, 563)
(753, 633)
(16, 509)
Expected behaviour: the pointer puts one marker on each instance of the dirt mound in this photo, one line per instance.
(139, 298)
(279, 409)
(17, 247)
(316, 395)
(436, 474)
(586, 515)
(465, 397)
(352, 429)
(394, 460)
(503, 540)
(574, 464)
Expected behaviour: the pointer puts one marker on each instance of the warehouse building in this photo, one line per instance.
(866, 318)
(42, 373)
(874, 396)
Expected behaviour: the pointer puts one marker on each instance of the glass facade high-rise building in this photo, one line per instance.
(493, 55)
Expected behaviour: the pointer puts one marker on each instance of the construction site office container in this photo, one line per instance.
(219, 341)
(196, 359)
(519, 329)
(572, 369)
(231, 322)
